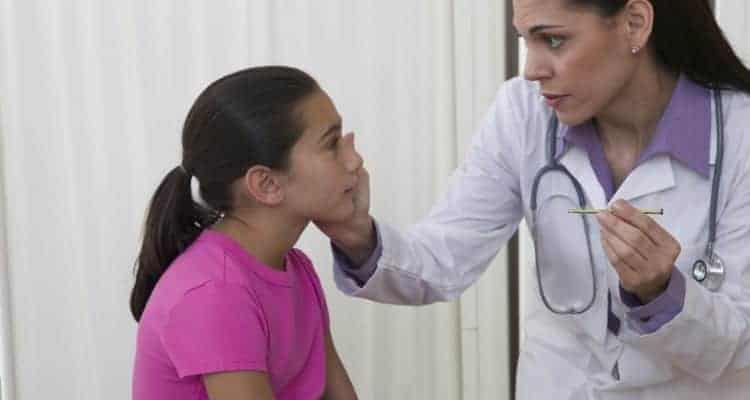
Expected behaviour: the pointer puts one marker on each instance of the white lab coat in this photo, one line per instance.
(704, 352)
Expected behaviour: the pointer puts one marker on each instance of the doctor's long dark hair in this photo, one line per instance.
(243, 119)
(687, 39)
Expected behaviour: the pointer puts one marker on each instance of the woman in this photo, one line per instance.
(635, 95)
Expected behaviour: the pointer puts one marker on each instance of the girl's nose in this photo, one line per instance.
(352, 159)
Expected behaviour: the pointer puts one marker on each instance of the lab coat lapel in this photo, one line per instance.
(577, 162)
(653, 176)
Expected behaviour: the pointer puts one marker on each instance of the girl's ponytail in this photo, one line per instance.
(174, 221)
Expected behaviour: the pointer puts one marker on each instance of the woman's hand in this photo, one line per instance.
(355, 236)
(641, 251)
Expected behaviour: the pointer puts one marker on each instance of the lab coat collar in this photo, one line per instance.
(652, 176)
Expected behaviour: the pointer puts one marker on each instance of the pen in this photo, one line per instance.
(659, 211)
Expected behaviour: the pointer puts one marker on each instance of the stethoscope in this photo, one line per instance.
(707, 270)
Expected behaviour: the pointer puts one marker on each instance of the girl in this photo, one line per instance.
(227, 308)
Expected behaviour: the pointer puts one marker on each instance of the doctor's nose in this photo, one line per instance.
(536, 68)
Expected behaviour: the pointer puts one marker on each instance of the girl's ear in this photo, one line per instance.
(263, 186)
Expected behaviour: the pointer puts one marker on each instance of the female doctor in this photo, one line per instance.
(626, 148)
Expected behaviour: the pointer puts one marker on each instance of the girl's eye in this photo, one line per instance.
(554, 42)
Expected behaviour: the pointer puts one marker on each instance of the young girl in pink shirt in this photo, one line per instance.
(227, 308)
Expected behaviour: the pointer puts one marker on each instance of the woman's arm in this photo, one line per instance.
(446, 252)
(338, 385)
(241, 385)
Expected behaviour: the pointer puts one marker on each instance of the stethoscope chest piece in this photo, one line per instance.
(709, 272)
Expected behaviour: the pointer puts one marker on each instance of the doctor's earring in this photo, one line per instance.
(634, 49)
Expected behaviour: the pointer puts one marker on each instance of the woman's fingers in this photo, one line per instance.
(667, 247)
(628, 275)
(640, 250)
(625, 211)
(629, 234)
(623, 253)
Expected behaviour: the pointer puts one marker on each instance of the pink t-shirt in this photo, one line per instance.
(218, 309)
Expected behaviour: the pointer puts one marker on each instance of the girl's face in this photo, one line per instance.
(581, 60)
(323, 164)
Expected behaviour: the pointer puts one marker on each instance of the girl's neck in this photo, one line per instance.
(266, 236)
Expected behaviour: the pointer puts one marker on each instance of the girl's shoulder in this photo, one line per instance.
(202, 261)
(202, 273)
(212, 260)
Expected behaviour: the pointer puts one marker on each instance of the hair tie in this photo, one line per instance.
(195, 192)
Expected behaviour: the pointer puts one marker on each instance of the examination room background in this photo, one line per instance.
(92, 97)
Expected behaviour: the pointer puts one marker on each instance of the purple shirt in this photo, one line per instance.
(684, 133)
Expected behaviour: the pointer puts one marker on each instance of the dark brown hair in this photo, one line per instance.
(687, 40)
(243, 119)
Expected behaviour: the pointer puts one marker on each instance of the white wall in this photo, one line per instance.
(93, 96)
(480, 61)
(6, 345)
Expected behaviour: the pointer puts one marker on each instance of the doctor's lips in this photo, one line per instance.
(553, 100)
(659, 211)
